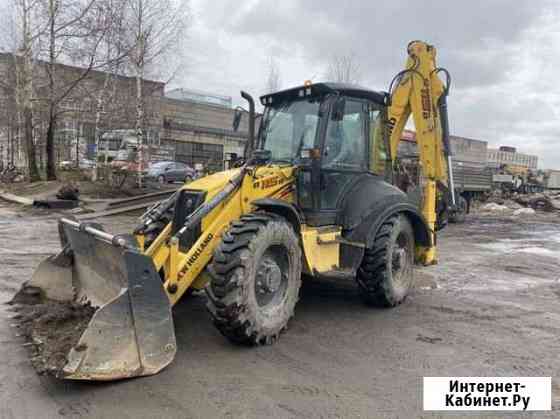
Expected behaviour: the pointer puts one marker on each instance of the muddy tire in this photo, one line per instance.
(386, 273)
(255, 279)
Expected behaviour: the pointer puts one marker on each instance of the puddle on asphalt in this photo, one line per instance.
(543, 243)
(541, 251)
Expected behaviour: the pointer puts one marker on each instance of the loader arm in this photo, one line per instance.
(419, 91)
(185, 268)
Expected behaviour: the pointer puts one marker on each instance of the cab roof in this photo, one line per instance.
(319, 89)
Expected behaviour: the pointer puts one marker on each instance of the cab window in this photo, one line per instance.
(345, 144)
(378, 145)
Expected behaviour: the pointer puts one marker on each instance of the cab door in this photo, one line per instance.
(343, 159)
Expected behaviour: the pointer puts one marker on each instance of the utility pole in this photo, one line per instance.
(77, 131)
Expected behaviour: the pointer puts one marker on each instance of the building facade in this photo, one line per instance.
(201, 133)
(192, 126)
(199, 96)
(515, 161)
(76, 112)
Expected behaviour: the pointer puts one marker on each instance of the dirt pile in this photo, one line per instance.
(69, 191)
(525, 204)
(541, 201)
(51, 329)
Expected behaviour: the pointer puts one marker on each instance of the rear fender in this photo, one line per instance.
(374, 221)
(367, 230)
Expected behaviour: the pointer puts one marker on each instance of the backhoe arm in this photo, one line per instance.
(418, 90)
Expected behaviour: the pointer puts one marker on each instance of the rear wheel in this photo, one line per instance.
(386, 273)
(255, 279)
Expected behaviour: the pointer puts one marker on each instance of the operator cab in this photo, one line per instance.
(335, 133)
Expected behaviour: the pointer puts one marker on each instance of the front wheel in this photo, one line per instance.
(255, 279)
(386, 273)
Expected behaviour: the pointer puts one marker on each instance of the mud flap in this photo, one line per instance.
(132, 332)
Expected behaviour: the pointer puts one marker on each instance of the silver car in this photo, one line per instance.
(170, 171)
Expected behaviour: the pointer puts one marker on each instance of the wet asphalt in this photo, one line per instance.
(491, 307)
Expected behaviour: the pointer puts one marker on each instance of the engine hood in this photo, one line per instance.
(212, 183)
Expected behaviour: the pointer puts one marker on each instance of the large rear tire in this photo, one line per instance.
(255, 279)
(386, 273)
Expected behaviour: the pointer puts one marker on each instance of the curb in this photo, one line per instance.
(15, 198)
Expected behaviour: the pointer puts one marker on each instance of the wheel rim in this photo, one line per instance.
(271, 279)
(161, 179)
(400, 260)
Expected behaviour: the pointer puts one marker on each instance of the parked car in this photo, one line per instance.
(66, 164)
(86, 164)
(71, 164)
(126, 160)
(169, 171)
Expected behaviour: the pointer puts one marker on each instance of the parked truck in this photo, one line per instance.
(552, 179)
(471, 175)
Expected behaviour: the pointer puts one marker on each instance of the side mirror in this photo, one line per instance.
(237, 118)
(337, 113)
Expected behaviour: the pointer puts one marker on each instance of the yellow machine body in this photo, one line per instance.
(418, 92)
(134, 281)
(181, 270)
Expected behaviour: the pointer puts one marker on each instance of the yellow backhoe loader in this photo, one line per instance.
(315, 195)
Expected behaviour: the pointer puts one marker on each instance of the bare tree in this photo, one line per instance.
(75, 30)
(25, 35)
(114, 56)
(154, 27)
(273, 79)
(344, 69)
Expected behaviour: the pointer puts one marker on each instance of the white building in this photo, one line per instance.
(509, 156)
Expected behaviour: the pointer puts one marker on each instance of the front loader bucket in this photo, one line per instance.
(131, 332)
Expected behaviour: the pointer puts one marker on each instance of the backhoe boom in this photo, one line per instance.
(419, 91)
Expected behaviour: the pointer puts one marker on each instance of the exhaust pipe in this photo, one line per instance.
(250, 146)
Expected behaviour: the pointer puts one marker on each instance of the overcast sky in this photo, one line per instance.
(503, 55)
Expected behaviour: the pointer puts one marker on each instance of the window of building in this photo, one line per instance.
(192, 153)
